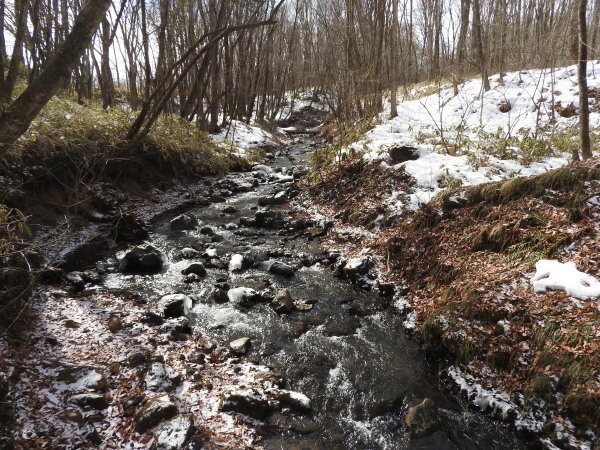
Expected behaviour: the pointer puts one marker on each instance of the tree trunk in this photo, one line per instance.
(394, 61)
(19, 115)
(461, 50)
(8, 83)
(584, 110)
(478, 37)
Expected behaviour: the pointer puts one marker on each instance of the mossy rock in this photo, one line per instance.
(155, 411)
(423, 419)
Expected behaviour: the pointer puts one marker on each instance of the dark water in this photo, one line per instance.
(348, 354)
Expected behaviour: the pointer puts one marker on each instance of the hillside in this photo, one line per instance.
(455, 201)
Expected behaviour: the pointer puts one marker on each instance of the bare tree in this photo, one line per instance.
(584, 110)
(20, 113)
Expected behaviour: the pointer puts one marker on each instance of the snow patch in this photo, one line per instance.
(555, 275)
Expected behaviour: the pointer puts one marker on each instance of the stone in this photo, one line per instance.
(196, 269)
(175, 434)
(184, 222)
(95, 401)
(240, 346)
(335, 328)
(207, 231)
(243, 296)
(176, 305)
(177, 328)
(266, 217)
(278, 199)
(161, 378)
(82, 377)
(280, 268)
(190, 253)
(75, 279)
(154, 411)
(151, 318)
(128, 227)
(229, 209)
(283, 303)
(140, 259)
(423, 419)
(296, 400)
(115, 324)
(137, 359)
(356, 267)
(402, 153)
(246, 401)
(247, 222)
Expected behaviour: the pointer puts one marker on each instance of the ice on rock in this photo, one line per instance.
(555, 275)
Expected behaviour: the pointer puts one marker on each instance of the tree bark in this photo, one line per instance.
(584, 110)
(19, 115)
(394, 61)
(478, 37)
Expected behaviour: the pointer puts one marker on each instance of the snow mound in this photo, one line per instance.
(555, 275)
(236, 263)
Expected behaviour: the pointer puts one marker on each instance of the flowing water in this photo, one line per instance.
(348, 354)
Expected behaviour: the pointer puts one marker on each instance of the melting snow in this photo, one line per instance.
(555, 275)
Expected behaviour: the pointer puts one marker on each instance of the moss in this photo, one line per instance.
(541, 386)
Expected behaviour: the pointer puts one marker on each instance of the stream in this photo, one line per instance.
(345, 350)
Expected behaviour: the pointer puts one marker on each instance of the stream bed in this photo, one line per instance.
(341, 346)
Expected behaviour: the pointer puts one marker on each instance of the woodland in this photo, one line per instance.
(173, 174)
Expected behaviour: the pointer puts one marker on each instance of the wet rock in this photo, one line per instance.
(176, 305)
(280, 268)
(196, 269)
(175, 434)
(177, 328)
(243, 296)
(202, 201)
(278, 199)
(262, 168)
(423, 419)
(283, 302)
(207, 231)
(190, 253)
(296, 400)
(75, 279)
(155, 411)
(247, 222)
(128, 227)
(82, 377)
(219, 295)
(229, 209)
(152, 318)
(267, 217)
(240, 346)
(336, 328)
(184, 222)
(356, 267)
(303, 425)
(402, 153)
(137, 359)
(246, 401)
(142, 259)
(161, 378)
(95, 401)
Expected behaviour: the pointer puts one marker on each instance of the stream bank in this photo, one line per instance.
(238, 332)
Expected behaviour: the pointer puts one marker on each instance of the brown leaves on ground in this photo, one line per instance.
(469, 272)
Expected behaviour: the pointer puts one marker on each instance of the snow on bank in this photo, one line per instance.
(566, 277)
(452, 133)
(241, 137)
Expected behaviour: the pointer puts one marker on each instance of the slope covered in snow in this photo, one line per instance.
(468, 136)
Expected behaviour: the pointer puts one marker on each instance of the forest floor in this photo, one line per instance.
(464, 264)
